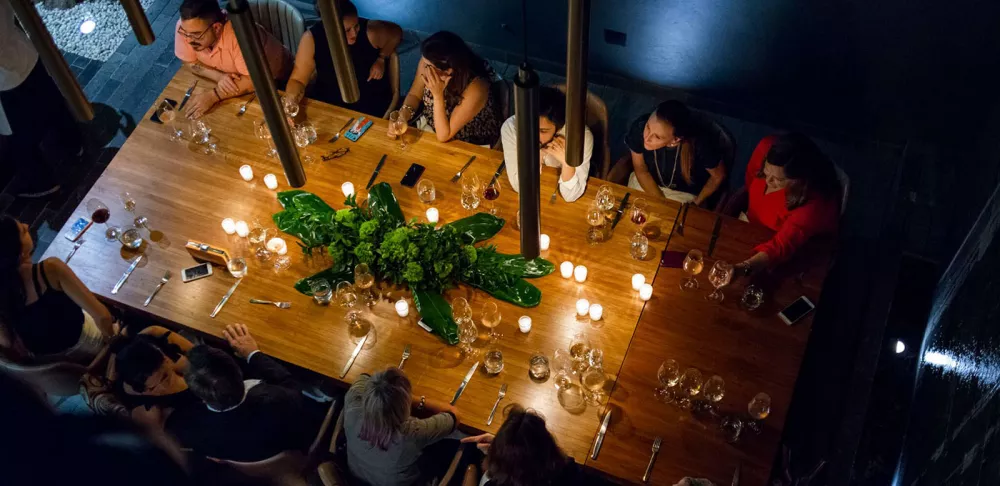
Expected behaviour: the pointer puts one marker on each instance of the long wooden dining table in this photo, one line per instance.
(185, 194)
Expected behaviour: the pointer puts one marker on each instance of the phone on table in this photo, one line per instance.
(412, 175)
(79, 228)
(796, 310)
(196, 272)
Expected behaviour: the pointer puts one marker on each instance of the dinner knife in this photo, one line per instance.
(354, 355)
(503, 165)
(378, 168)
(187, 96)
(621, 209)
(468, 376)
(336, 136)
(715, 234)
(127, 273)
(600, 434)
(684, 217)
(225, 298)
(458, 175)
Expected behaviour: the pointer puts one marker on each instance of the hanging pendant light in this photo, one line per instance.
(578, 33)
(140, 23)
(333, 24)
(528, 157)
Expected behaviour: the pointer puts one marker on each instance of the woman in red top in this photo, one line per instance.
(792, 189)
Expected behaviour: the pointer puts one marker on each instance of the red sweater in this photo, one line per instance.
(818, 216)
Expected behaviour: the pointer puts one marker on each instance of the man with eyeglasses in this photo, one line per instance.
(206, 42)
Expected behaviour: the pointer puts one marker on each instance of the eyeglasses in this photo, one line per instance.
(193, 37)
(336, 154)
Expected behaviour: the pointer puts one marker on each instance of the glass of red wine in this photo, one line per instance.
(100, 214)
(639, 212)
(491, 193)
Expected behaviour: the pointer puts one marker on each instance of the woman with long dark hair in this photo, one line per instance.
(453, 83)
(148, 373)
(46, 313)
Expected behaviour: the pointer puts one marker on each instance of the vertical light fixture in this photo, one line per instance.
(140, 23)
(53, 60)
(336, 40)
(528, 163)
(578, 34)
(267, 94)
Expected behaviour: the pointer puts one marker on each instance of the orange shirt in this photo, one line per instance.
(225, 55)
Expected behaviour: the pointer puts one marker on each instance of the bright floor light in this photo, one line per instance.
(87, 26)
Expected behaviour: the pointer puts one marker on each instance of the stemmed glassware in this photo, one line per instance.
(491, 192)
(364, 280)
(168, 115)
(426, 191)
(470, 191)
(639, 213)
(690, 385)
(713, 390)
(593, 381)
(291, 106)
(595, 218)
(490, 318)
(562, 364)
(347, 296)
(260, 129)
(397, 127)
(693, 264)
(668, 375)
(579, 350)
(719, 276)
(305, 135)
(128, 201)
(605, 198)
(758, 408)
(201, 135)
(467, 331)
(100, 214)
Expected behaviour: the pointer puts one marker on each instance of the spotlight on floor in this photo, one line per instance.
(900, 347)
(87, 26)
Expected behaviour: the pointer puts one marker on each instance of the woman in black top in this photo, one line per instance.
(148, 373)
(46, 313)
(371, 43)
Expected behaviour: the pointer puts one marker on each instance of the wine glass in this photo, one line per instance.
(719, 276)
(168, 115)
(398, 127)
(758, 408)
(258, 234)
(461, 308)
(593, 381)
(470, 191)
(426, 191)
(128, 201)
(579, 348)
(290, 105)
(668, 375)
(753, 297)
(595, 218)
(347, 296)
(639, 212)
(201, 135)
(731, 427)
(605, 198)
(305, 135)
(490, 318)
(713, 390)
(690, 385)
(264, 133)
(467, 333)
(595, 358)
(491, 193)
(639, 246)
(364, 280)
(562, 364)
(100, 214)
(693, 264)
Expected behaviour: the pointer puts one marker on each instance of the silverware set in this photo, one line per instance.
(503, 393)
(76, 246)
(163, 281)
(280, 305)
(406, 356)
(652, 459)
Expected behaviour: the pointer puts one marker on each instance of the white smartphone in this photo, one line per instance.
(796, 310)
(196, 272)
(78, 229)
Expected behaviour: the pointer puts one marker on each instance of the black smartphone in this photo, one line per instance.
(412, 175)
(796, 310)
(155, 117)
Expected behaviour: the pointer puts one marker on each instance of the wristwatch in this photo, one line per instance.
(423, 401)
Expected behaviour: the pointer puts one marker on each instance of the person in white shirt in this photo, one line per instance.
(552, 135)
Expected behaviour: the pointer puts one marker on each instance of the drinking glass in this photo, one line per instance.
(263, 254)
(668, 375)
(398, 127)
(693, 264)
(426, 191)
(491, 193)
(753, 297)
(305, 135)
(493, 361)
(470, 191)
(346, 295)
(467, 333)
(237, 267)
(595, 358)
(593, 381)
(579, 349)
(201, 135)
(538, 366)
(490, 318)
(460, 308)
(731, 427)
(260, 129)
(639, 246)
(364, 280)
(100, 214)
(358, 327)
(168, 115)
(758, 408)
(605, 198)
(321, 291)
(128, 201)
(639, 212)
(282, 263)
(291, 106)
(690, 385)
(595, 218)
(719, 276)
(713, 390)
(258, 234)
(562, 363)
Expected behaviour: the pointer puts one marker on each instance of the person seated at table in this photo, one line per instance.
(676, 154)
(453, 83)
(237, 419)
(46, 314)
(386, 444)
(148, 372)
(552, 135)
(206, 42)
(370, 42)
(792, 188)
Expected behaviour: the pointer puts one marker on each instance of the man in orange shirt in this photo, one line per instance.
(206, 42)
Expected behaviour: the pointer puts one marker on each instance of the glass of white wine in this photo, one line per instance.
(579, 349)
(364, 280)
(713, 390)
(347, 296)
(668, 375)
(490, 317)
(593, 381)
(690, 385)
(693, 264)
(595, 218)
(397, 128)
(719, 276)
(758, 408)
(426, 191)
(467, 333)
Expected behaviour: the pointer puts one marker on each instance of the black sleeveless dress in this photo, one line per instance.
(53, 323)
(375, 94)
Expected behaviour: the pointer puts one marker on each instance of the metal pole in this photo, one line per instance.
(578, 32)
(336, 40)
(528, 163)
(53, 60)
(140, 23)
(267, 94)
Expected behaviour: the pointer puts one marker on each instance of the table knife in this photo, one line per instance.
(621, 209)
(503, 165)
(354, 355)
(225, 298)
(600, 434)
(336, 136)
(684, 217)
(127, 273)
(715, 234)
(468, 376)
(187, 96)
(378, 168)
(458, 175)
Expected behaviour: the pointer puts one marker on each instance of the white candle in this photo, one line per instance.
(580, 273)
(277, 245)
(596, 311)
(402, 308)
(229, 226)
(637, 281)
(582, 307)
(566, 269)
(524, 324)
(242, 230)
(271, 181)
(432, 215)
(543, 242)
(646, 292)
(348, 189)
(246, 172)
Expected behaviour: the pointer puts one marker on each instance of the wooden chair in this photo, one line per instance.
(394, 81)
(281, 19)
(500, 90)
(60, 379)
(597, 122)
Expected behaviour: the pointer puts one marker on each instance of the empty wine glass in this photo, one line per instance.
(562, 364)
(426, 191)
(693, 264)
(713, 390)
(639, 246)
(364, 280)
(460, 308)
(668, 375)
(290, 105)
(264, 133)
(237, 267)
(719, 276)
(397, 128)
(758, 408)
(595, 218)
(690, 385)
(347, 296)
(470, 191)
(305, 135)
(201, 135)
(100, 214)
(258, 234)
(490, 318)
(467, 333)
(605, 198)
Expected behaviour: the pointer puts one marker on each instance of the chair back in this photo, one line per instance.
(61, 379)
(394, 81)
(285, 468)
(597, 122)
(281, 19)
(500, 91)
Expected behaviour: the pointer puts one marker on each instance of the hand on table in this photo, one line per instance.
(227, 85)
(482, 441)
(240, 339)
(434, 82)
(200, 103)
(377, 70)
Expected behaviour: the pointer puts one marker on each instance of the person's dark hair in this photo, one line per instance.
(347, 8)
(808, 170)
(385, 406)
(13, 296)
(202, 9)
(446, 50)
(552, 105)
(137, 359)
(679, 116)
(524, 453)
(214, 377)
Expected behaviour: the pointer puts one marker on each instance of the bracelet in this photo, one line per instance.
(215, 91)
(423, 401)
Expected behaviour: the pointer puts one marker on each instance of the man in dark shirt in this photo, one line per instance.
(242, 420)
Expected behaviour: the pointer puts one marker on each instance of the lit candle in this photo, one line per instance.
(277, 245)
(566, 269)
(524, 324)
(402, 308)
(348, 189)
(580, 273)
(646, 292)
(242, 230)
(432, 215)
(637, 281)
(271, 181)
(543, 242)
(596, 311)
(582, 307)
(246, 172)
(229, 226)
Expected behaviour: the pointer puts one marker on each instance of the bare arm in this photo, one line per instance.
(416, 93)
(173, 338)
(67, 282)
(205, 71)
(305, 66)
(645, 179)
(384, 36)
(473, 101)
(434, 407)
(715, 177)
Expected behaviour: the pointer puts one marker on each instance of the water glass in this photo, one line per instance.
(264, 133)
(719, 276)
(538, 367)
(493, 361)
(426, 191)
(668, 375)
(693, 264)
(347, 297)
(237, 267)
(321, 291)
(639, 248)
(753, 297)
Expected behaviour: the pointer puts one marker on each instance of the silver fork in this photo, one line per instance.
(652, 459)
(76, 246)
(503, 393)
(243, 109)
(552, 200)
(163, 281)
(280, 305)
(406, 356)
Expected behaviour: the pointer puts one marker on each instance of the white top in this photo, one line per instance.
(572, 189)
(17, 55)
